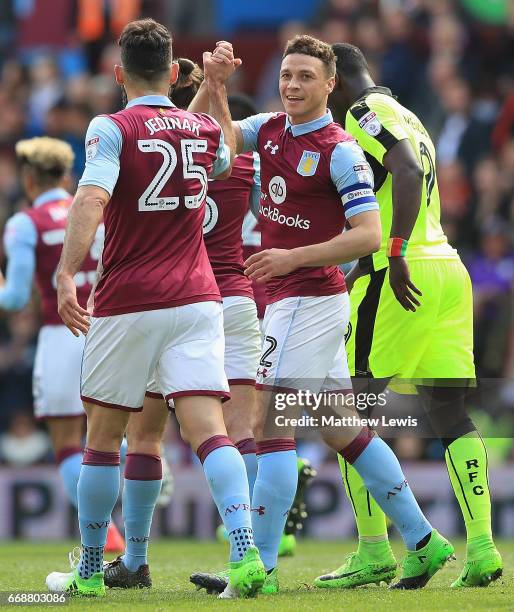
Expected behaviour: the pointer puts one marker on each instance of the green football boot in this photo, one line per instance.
(483, 565)
(360, 569)
(217, 583)
(287, 546)
(419, 566)
(246, 577)
(72, 584)
(270, 586)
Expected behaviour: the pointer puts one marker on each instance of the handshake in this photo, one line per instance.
(220, 64)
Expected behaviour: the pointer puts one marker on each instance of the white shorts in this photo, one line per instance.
(56, 376)
(242, 343)
(303, 344)
(183, 346)
(242, 339)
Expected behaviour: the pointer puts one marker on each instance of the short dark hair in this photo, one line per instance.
(241, 107)
(146, 49)
(190, 77)
(308, 45)
(350, 61)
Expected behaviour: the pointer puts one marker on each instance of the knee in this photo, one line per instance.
(238, 428)
(144, 441)
(105, 429)
(463, 427)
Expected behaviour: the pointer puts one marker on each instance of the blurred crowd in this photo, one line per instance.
(450, 61)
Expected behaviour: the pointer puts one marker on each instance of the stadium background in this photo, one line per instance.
(450, 61)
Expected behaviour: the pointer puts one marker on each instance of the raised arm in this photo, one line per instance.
(211, 97)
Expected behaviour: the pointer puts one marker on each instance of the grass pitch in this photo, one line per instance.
(24, 566)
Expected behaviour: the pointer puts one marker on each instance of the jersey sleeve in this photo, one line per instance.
(103, 149)
(20, 239)
(250, 129)
(353, 178)
(255, 194)
(375, 125)
(222, 161)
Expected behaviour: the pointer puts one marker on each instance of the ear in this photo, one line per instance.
(331, 83)
(175, 69)
(119, 74)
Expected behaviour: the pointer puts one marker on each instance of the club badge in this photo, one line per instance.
(308, 163)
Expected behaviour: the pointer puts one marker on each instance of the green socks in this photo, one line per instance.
(466, 459)
(370, 519)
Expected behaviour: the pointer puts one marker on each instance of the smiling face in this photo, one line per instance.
(304, 87)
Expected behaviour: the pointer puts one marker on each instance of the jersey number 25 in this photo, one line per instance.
(151, 199)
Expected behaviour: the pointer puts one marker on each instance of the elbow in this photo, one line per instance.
(414, 170)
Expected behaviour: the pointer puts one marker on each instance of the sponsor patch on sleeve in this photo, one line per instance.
(92, 148)
(363, 173)
(370, 124)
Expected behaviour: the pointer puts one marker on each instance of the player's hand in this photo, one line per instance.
(219, 65)
(401, 284)
(269, 263)
(71, 312)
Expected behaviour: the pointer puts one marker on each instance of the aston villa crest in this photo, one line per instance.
(308, 163)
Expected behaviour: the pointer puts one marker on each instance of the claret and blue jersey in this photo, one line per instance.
(313, 177)
(154, 160)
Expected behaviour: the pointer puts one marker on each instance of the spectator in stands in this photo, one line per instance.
(23, 444)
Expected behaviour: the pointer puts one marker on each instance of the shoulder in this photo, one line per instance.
(272, 120)
(106, 122)
(370, 111)
(107, 126)
(333, 135)
(202, 118)
(264, 120)
(22, 226)
(373, 101)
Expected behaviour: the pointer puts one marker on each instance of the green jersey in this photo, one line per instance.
(377, 121)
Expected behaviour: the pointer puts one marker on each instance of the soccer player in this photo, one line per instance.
(390, 336)
(33, 242)
(156, 306)
(314, 177)
(227, 203)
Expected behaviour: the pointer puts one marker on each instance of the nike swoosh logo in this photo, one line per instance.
(348, 574)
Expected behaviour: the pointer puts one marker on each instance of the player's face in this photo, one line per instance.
(304, 87)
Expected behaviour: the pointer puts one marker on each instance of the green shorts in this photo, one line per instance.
(435, 342)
